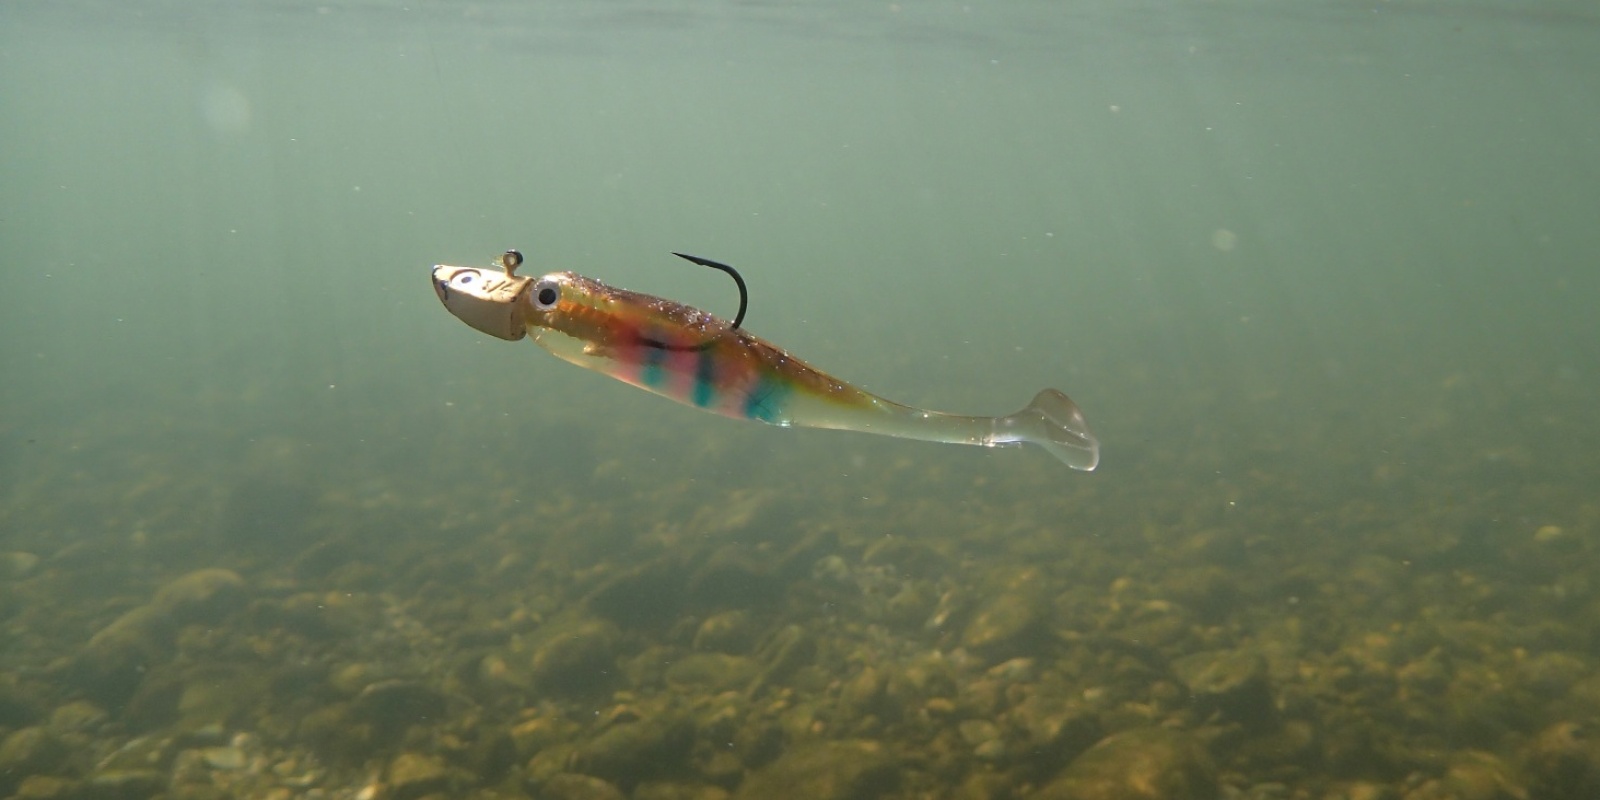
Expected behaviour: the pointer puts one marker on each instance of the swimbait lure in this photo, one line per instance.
(690, 356)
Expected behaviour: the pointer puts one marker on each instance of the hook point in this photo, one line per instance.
(744, 294)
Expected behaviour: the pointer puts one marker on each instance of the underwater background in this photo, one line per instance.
(1322, 276)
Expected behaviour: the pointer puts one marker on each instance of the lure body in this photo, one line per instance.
(690, 356)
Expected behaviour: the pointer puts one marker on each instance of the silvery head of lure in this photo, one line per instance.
(491, 301)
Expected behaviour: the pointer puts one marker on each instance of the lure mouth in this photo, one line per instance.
(488, 301)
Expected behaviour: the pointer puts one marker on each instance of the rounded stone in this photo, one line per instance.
(1139, 764)
(16, 565)
(413, 775)
(837, 770)
(568, 786)
(126, 784)
(576, 656)
(201, 595)
(1563, 763)
(727, 632)
(1007, 626)
(398, 703)
(631, 751)
(1231, 685)
(711, 673)
(29, 751)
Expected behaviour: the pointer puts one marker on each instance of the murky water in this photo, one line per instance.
(1320, 275)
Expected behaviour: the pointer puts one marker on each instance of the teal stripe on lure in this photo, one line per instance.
(705, 376)
(765, 401)
(653, 372)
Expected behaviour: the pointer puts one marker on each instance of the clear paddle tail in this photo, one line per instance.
(1055, 423)
(1052, 421)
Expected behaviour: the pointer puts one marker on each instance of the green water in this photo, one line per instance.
(1321, 275)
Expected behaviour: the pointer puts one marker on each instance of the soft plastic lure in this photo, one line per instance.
(695, 358)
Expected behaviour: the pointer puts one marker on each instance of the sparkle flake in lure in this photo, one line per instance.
(690, 356)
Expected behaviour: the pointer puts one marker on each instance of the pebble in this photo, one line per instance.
(575, 656)
(731, 632)
(225, 758)
(126, 784)
(412, 775)
(1007, 626)
(1229, 684)
(568, 786)
(200, 595)
(16, 565)
(28, 751)
(1139, 764)
(830, 770)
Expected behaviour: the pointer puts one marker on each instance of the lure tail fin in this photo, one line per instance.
(1055, 423)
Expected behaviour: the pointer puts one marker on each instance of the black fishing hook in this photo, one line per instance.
(744, 294)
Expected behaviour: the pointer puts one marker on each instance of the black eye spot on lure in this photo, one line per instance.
(545, 294)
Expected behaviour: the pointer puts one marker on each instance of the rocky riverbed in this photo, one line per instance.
(283, 635)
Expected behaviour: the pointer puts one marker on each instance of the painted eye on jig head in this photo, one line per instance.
(545, 295)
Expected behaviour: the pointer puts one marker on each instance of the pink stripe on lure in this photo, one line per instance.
(690, 356)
